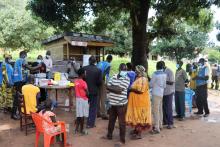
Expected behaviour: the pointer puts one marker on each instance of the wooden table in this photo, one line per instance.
(56, 88)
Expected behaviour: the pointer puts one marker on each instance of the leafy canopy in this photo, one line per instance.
(188, 43)
(18, 30)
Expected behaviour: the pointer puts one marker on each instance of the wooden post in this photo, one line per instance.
(103, 54)
(68, 51)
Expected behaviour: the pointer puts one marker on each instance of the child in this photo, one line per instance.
(47, 114)
(82, 105)
(189, 93)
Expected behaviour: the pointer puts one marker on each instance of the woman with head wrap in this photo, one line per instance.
(6, 84)
(139, 107)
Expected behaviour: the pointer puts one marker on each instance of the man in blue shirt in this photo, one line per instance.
(201, 88)
(105, 67)
(21, 68)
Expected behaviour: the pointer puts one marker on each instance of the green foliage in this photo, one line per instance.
(121, 35)
(18, 30)
(213, 54)
(151, 68)
(188, 43)
(65, 14)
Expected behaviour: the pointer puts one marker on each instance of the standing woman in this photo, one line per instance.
(6, 84)
(139, 106)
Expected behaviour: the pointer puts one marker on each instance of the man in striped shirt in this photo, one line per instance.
(117, 87)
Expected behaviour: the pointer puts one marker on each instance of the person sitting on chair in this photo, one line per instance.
(31, 96)
(47, 114)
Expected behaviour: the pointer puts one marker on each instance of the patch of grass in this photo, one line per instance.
(151, 65)
(31, 56)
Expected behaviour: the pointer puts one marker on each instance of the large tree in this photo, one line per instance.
(64, 14)
(18, 30)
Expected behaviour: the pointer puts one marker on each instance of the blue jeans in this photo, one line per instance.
(180, 103)
(93, 104)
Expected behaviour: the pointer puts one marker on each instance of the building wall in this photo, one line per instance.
(56, 49)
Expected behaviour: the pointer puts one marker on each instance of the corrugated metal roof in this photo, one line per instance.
(79, 37)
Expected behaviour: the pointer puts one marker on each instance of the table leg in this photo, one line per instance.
(56, 96)
(70, 100)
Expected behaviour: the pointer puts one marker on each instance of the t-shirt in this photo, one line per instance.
(158, 83)
(47, 126)
(30, 97)
(9, 70)
(180, 80)
(105, 68)
(203, 72)
(119, 99)
(49, 63)
(170, 78)
(132, 76)
(19, 72)
(80, 89)
(214, 71)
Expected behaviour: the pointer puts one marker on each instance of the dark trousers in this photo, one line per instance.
(167, 109)
(215, 81)
(180, 103)
(114, 113)
(93, 104)
(16, 102)
(201, 99)
(101, 101)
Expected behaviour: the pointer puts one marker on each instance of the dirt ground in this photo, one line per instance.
(193, 132)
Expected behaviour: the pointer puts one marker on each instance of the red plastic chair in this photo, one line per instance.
(48, 138)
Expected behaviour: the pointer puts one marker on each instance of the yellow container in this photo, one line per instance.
(57, 76)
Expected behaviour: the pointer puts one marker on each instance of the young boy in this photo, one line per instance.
(82, 105)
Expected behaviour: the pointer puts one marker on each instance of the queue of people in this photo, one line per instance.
(13, 79)
(130, 96)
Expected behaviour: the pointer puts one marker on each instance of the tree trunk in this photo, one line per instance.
(139, 16)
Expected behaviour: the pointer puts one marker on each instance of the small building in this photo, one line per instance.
(70, 44)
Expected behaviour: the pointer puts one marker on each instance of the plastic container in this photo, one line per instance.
(57, 76)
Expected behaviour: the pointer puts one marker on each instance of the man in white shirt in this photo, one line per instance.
(49, 64)
(158, 84)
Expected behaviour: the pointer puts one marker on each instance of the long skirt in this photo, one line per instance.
(139, 111)
(6, 97)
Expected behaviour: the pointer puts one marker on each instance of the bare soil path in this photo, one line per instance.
(193, 132)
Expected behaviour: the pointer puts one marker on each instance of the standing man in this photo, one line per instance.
(168, 97)
(21, 68)
(72, 68)
(49, 64)
(215, 76)
(202, 89)
(93, 80)
(117, 87)
(158, 84)
(180, 80)
(105, 67)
